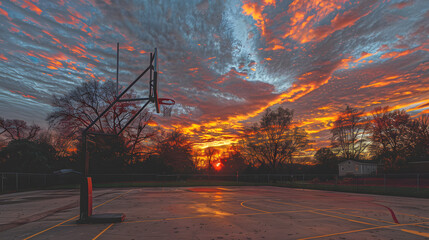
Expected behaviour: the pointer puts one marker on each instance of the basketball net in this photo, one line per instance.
(166, 110)
(166, 105)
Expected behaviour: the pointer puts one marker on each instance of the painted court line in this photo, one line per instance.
(423, 234)
(242, 204)
(364, 229)
(330, 211)
(59, 224)
(50, 228)
(358, 216)
(98, 235)
(352, 220)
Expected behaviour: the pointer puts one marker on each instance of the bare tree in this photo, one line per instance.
(18, 129)
(397, 138)
(175, 150)
(211, 154)
(273, 142)
(420, 137)
(78, 108)
(349, 133)
(390, 130)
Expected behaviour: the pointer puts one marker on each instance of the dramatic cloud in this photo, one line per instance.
(224, 62)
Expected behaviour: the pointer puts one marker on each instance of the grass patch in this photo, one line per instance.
(379, 190)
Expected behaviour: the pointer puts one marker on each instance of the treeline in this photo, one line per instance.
(391, 139)
(275, 144)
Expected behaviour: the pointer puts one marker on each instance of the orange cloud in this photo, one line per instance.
(255, 10)
(127, 47)
(306, 13)
(364, 55)
(384, 81)
(69, 19)
(302, 87)
(397, 54)
(32, 7)
(3, 12)
(2, 57)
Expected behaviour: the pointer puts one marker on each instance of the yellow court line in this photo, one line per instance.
(363, 229)
(98, 235)
(347, 219)
(352, 220)
(51, 227)
(423, 234)
(323, 210)
(397, 213)
(358, 216)
(99, 205)
(242, 204)
(38, 233)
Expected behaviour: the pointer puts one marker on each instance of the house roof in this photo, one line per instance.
(360, 161)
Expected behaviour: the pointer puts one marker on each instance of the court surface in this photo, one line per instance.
(215, 213)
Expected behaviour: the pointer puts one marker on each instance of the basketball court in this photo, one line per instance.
(215, 213)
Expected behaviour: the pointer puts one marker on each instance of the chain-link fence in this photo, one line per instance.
(386, 183)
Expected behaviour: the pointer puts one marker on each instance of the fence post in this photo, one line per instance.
(418, 182)
(384, 176)
(2, 186)
(16, 181)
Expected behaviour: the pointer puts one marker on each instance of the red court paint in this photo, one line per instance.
(391, 212)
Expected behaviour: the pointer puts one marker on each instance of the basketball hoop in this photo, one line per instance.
(166, 106)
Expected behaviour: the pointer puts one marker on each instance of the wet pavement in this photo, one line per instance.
(215, 213)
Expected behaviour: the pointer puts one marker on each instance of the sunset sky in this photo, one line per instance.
(223, 62)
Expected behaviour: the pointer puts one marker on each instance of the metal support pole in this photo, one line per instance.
(2, 185)
(16, 181)
(117, 69)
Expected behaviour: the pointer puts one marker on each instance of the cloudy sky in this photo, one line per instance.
(224, 62)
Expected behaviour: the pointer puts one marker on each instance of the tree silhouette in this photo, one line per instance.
(349, 133)
(327, 160)
(420, 135)
(175, 150)
(211, 155)
(391, 136)
(233, 161)
(15, 129)
(272, 143)
(23, 155)
(78, 108)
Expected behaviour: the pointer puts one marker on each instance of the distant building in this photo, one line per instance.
(356, 168)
